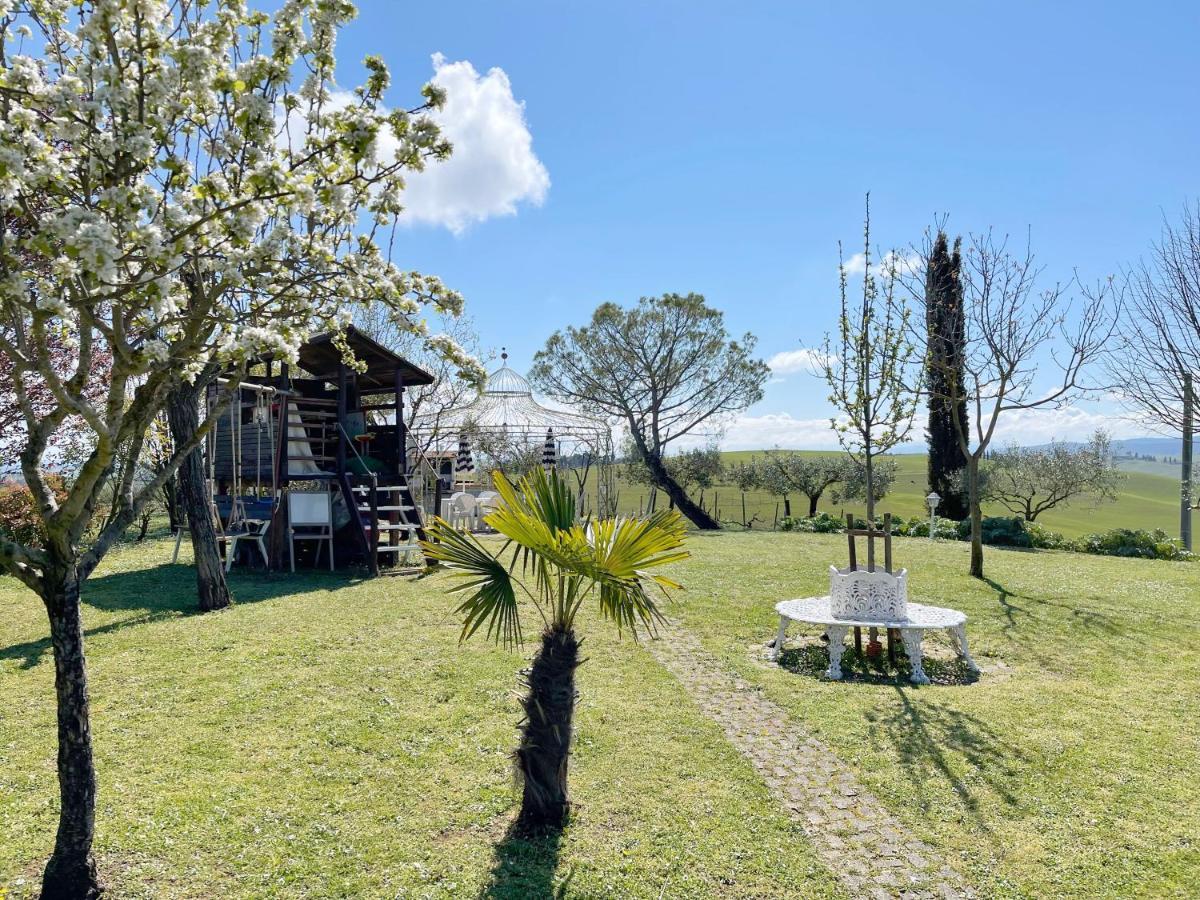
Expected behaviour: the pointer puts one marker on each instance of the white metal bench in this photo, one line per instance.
(874, 599)
(919, 618)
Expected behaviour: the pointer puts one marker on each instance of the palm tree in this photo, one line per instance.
(558, 563)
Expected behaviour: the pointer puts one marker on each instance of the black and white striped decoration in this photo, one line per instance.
(463, 463)
(549, 451)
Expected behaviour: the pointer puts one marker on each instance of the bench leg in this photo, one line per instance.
(837, 636)
(958, 634)
(777, 647)
(912, 646)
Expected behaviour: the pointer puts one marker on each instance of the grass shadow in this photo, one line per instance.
(524, 867)
(168, 591)
(1092, 620)
(812, 659)
(927, 734)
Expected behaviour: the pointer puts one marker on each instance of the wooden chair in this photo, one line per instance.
(312, 511)
(253, 530)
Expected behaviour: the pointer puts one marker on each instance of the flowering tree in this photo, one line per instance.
(172, 197)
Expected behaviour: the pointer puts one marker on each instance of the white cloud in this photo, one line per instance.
(764, 432)
(791, 361)
(904, 263)
(493, 168)
(1024, 427)
(856, 264)
(1030, 427)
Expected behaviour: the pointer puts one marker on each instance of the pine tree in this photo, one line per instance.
(945, 323)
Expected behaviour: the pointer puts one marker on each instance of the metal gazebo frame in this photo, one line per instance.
(506, 408)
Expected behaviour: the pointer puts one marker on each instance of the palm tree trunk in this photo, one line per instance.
(542, 757)
(70, 873)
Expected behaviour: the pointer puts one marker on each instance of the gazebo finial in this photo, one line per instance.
(504, 354)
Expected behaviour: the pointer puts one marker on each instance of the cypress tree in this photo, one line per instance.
(945, 323)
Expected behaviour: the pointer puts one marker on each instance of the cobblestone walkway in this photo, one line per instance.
(855, 836)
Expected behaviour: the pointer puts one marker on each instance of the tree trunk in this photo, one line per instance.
(694, 512)
(183, 415)
(170, 492)
(543, 755)
(70, 874)
(976, 517)
(812, 505)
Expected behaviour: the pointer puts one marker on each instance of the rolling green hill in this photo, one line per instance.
(1146, 501)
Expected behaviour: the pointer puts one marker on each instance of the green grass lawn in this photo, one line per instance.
(327, 737)
(1146, 500)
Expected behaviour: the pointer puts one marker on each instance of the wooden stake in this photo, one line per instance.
(850, 538)
(887, 543)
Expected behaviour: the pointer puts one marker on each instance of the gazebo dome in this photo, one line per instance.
(506, 381)
(507, 406)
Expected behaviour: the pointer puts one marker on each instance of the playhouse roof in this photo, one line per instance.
(320, 356)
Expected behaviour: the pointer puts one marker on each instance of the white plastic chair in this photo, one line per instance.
(463, 510)
(311, 511)
(486, 503)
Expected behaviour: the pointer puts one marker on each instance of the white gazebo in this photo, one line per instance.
(506, 411)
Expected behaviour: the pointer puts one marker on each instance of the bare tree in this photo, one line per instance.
(427, 405)
(1159, 349)
(1014, 332)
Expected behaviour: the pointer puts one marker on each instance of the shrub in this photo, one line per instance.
(1134, 542)
(1043, 538)
(917, 526)
(823, 523)
(998, 531)
(19, 519)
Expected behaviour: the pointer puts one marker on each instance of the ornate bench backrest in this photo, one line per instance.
(868, 596)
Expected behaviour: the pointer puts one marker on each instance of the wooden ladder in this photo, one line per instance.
(390, 521)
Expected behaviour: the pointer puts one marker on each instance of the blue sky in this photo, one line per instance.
(726, 148)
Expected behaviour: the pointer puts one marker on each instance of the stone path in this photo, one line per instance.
(855, 836)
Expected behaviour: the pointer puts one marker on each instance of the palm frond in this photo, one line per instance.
(492, 597)
(563, 559)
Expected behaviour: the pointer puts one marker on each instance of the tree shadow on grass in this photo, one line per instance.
(168, 591)
(811, 659)
(929, 735)
(1027, 625)
(524, 867)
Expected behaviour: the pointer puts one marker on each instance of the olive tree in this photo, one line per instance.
(664, 369)
(783, 473)
(1027, 481)
(171, 196)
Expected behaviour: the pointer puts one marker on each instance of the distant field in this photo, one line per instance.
(1150, 467)
(1146, 501)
